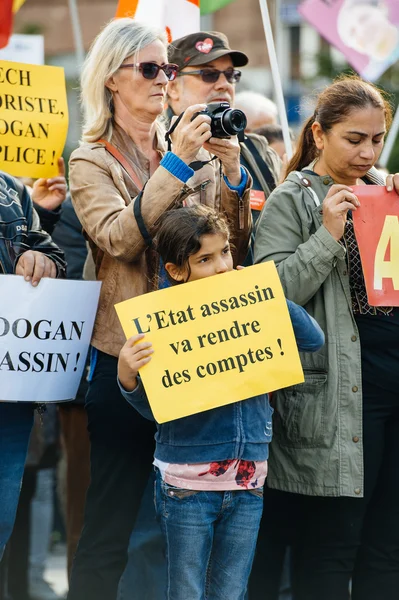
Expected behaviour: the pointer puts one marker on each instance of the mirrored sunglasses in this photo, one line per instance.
(150, 70)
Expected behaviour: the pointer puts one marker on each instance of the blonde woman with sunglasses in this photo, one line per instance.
(122, 180)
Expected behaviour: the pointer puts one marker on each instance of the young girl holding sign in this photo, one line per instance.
(211, 466)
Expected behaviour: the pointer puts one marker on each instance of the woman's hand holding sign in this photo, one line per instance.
(338, 201)
(132, 357)
(392, 183)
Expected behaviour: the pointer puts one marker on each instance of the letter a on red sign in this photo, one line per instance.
(376, 225)
(6, 18)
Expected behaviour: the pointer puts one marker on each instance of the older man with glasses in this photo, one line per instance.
(208, 71)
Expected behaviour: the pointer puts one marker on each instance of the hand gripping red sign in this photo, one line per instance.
(376, 225)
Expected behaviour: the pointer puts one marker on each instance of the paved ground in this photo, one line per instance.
(56, 573)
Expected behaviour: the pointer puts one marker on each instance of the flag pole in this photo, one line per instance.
(390, 140)
(77, 33)
(278, 89)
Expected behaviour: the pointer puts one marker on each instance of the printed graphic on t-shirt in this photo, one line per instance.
(221, 475)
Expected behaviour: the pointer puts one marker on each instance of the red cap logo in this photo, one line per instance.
(204, 46)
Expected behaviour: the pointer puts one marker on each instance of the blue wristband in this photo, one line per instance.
(241, 187)
(177, 167)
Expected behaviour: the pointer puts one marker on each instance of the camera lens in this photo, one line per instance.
(234, 121)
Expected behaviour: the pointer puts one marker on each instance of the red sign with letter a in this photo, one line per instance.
(376, 225)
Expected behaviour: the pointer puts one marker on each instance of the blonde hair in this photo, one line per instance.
(118, 40)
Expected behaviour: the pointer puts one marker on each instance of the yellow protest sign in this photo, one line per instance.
(216, 341)
(33, 118)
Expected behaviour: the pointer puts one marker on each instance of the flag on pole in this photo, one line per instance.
(6, 19)
(365, 31)
(178, 17)
(7, 10)
(210, 6)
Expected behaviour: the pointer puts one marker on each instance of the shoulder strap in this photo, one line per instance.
(122, 161)
(262, 166)
(137, 203)
(306, 184)
(140, 221)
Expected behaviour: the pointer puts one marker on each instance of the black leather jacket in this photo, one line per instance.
(20, 228)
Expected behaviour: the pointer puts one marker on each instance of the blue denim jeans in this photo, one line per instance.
(16, 420)
(145, 572)
(210, 540)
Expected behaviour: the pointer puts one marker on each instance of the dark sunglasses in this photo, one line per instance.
(150, 70)
(212, 75)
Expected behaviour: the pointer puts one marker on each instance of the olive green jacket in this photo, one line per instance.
(317, 426)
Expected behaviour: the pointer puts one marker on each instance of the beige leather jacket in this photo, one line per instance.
(103, 195)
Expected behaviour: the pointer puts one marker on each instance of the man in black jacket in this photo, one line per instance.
(27, 250)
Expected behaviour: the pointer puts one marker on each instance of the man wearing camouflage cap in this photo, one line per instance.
(208, 73)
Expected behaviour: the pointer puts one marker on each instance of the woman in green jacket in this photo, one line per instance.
(336, 436)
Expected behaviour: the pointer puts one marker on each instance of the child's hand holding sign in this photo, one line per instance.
(132, 357)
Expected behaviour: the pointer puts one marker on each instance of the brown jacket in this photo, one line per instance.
(103, 195)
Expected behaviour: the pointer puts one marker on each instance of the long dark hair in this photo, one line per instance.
(334, 104)
(180, 232)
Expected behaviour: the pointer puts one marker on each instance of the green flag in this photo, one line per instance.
(210, 6)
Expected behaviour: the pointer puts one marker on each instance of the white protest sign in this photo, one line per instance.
(24, 49)
(45, 333)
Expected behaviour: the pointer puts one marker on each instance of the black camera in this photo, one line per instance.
(225, 121)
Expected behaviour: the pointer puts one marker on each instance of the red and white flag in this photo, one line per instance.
(6, 20)
(178, 17)
(7, 10)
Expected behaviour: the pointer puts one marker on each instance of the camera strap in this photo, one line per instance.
(196, 165)
(262, 166)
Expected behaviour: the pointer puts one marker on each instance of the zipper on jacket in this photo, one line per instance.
(240, 431)
(241, 214)
(187, 191)
(202, 190)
